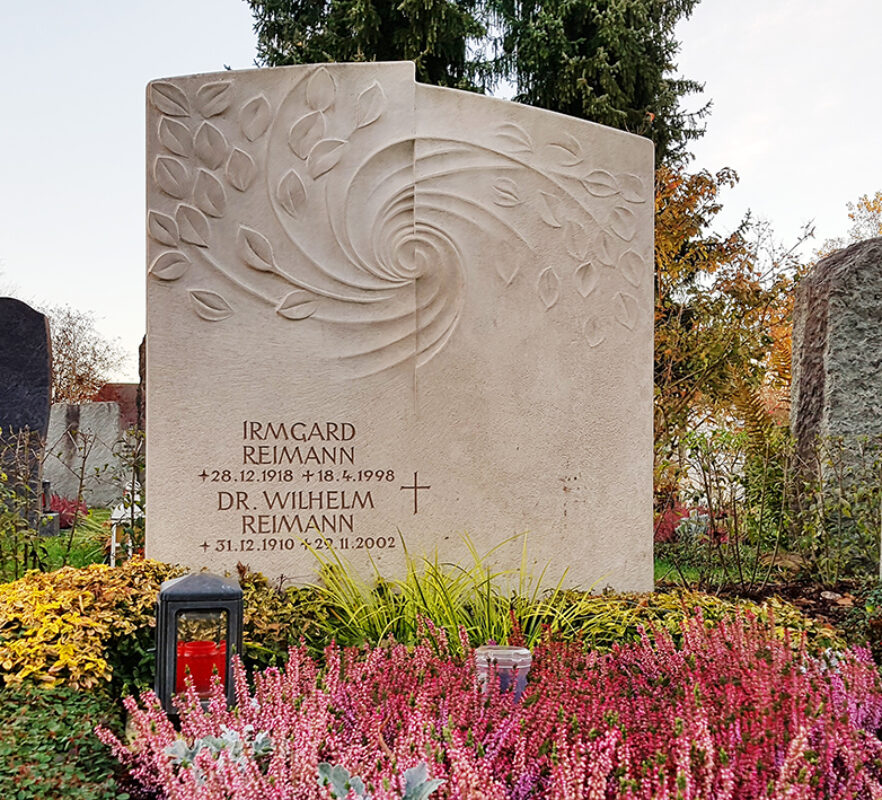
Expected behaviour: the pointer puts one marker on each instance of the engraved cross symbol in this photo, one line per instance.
(416, 488)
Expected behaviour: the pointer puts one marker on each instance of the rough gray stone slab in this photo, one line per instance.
(837, 348)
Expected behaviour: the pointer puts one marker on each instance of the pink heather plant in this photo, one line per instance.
(733, 714)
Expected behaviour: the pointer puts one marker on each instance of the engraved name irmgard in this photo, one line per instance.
(300, 485)
(308, 203)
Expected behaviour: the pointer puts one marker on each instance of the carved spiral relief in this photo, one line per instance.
(363, 233)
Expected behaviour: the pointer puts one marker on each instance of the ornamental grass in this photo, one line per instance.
(729, 712)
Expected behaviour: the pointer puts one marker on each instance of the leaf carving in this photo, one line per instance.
(547, 204)
(633, 188)
(210, 145)
(595, 330)
(586, 278)
(176, 137)
(324, 156)
(515, 137)
(370, 105)
(162, 228)
(299, 304)
(169, 99)
(568, 151)
(241, 169)
(605, 249)
(213, 98)
(507, 269)
(320, 90)
(209, 194)
(306, 133)
(193, 225)
(548, 287)
(254, 118)
(633, 267)
(169, 266)
(506, 193)
(627, 309)
(623, 222)
(255, 249)
(171, 176)
(210, 305)
(576, 240)
(291, 194)
(600, 183)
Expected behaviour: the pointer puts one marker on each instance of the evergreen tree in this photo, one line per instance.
(434, 34)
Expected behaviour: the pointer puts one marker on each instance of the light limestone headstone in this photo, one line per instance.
(385, 314)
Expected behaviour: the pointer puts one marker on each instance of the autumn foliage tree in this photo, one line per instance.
(721, 316)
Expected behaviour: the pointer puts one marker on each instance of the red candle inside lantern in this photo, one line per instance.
(200, 660)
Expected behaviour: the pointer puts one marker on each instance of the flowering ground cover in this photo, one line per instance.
(729, 712)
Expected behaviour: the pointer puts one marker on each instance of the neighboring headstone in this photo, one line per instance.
(93, 431)
(25, 387)
(385, 314)
(125, 395)
(837, 349)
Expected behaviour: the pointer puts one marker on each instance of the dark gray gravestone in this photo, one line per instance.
(25, 386)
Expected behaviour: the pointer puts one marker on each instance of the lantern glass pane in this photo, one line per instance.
(201, 649)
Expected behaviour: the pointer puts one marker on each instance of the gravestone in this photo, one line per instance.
(25, 387)
(837, 350)
(87, 438)
(383, 314)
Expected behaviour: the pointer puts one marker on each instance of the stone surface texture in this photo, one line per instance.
(837, 348)
(93, 429)
(25, 368)
(382, 313)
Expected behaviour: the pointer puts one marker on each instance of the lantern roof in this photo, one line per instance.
(200, 586)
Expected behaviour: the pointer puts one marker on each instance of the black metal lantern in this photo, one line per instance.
(198, 631)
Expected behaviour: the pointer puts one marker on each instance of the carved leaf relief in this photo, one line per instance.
(291, 193)
(320, 90)
(306, 133)
(169, 266)
(325, 156)
(627, 309)
(548, 287)
(255, 117)
(213, 98)
(299, 304)
(595, 330)
(210, 145)
(169, 99)
(162, 228)
(605, 249)
(600, 183)
(506, 194)
(370, 105)
(576, 240)
(193, 225)
(241, 169)
(633, 188)
(176, 137)
(255, 249)
(633, 267)
(171, 176)
(209, 194)
(623, 223)
(547, 205)
(567, 150)
(210, 305)
(586, 278)
(515, 137)
(507, 269)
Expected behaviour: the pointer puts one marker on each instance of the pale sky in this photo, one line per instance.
(794, 85)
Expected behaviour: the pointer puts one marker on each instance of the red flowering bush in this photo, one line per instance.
(732, 714)
(66, 508)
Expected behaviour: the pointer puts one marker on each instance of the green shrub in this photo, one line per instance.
(48, 748)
